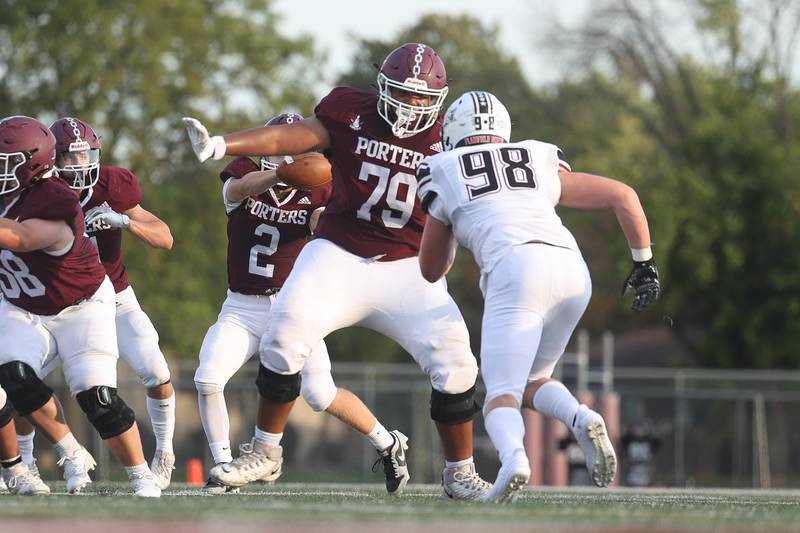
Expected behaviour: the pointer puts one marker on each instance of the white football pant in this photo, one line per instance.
(534, 298)
(234, 339)
(330, 288)
(137, 340)
(82, 339)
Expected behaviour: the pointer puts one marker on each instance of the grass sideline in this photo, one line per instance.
(355, 508)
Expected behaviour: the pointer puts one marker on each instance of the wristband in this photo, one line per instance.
(641, 254)
(219, 147)
(126, 221)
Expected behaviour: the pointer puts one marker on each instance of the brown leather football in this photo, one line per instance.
(306, 172)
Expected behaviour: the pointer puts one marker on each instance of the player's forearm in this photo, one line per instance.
(289, 139)
(31, 235)
(12, 236)
(632, 219)
(153, 232)
(251, 183)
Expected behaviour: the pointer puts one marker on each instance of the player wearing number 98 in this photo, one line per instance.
(110, 197)
(497, 198)
(361, 269)
(58, 301)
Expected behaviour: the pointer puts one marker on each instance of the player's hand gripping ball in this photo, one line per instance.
(307, 171)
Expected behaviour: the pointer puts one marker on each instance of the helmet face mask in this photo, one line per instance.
(412, 86)
(27, 153)
(78, 153)
(477, 117)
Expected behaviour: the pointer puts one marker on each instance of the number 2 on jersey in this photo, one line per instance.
(480, 170)
(403, 206)
(266, 270)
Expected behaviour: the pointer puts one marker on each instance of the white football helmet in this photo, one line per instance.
(477, 117)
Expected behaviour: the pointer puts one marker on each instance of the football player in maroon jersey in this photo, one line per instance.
(16, 478)
(57, 301)
(268, 224)
(111, 201)
(362, 268)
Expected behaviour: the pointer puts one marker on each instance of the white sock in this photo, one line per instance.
(380, 437)
(25, 443)
(214, 416)
(67, 445)
(553, 399)
(221, 452)
(132, 471)
(162, 416)
(264, 439)
(456, 464)
(507, 431)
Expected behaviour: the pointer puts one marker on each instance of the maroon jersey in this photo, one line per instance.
(41, 283)
(118, 189)
(373, 211)
(265, 233)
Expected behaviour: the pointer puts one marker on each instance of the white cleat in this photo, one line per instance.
(510, 480)
(592, 436)
(76, 469)
(271, 477)
(395, 466)
(3, 486)
(145, 485)
(463, 483)
(20, 481)
(214, 487)
(161, 466)
(252, 465)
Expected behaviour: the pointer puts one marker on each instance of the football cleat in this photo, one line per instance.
(270, 478)
(162, 465)
(463, 483)
(591, 434)
(20, 481)
(510, 480)
(252, 465)
(3, 486)
(394, 464)
(214, 487)
(76, 469)
(145, 485)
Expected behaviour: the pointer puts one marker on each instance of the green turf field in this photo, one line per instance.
(361, 508)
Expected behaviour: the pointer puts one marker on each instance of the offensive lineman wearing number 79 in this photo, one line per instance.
(362, 268)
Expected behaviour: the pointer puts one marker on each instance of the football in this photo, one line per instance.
(306, 171)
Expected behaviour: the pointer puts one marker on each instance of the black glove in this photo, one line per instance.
(644, 280)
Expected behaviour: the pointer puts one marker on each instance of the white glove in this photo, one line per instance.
(203, 144)
(106, 215)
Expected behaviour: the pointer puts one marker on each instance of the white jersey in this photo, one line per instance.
(496, 196)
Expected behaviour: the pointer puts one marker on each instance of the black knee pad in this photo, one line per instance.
(107, 412)
(277, 387)
(26, 392)
(6, 414)
(453, 408)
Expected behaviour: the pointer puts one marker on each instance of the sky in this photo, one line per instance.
(334, 23)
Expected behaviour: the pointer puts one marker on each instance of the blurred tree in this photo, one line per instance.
(714, 148)
(132, 70)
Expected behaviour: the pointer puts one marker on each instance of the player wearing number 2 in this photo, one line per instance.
(57, 301)
(362, 268)
(497, 199)
(268, 225)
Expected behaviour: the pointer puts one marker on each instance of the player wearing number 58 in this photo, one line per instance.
(57, 295)
(362, 267)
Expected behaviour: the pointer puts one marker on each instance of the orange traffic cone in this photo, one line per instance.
(194, 472)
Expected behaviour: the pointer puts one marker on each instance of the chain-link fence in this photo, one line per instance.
(704, 427)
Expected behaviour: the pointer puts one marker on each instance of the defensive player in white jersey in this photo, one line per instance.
(497, 198)
(268, 224)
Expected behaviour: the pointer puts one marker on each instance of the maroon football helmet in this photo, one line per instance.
(77, 152)
(416, 69)
(27, 153)
(272, 162)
